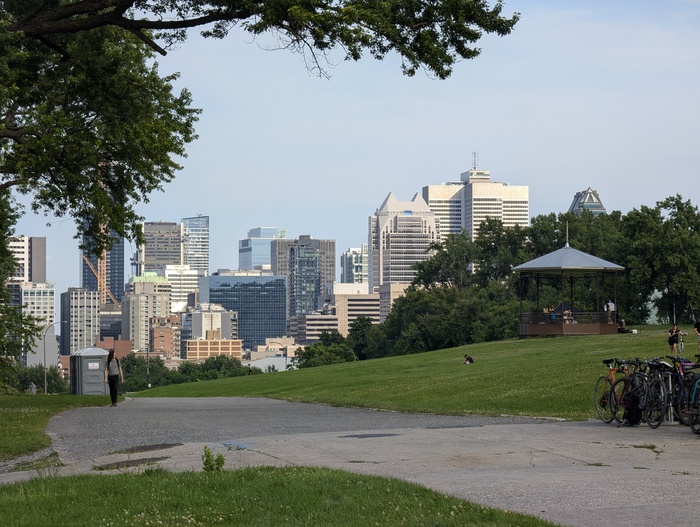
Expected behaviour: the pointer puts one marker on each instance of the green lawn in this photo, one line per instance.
(551, 377)
(539, 377)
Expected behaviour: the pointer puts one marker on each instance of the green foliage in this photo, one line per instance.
(319, 354)
(92, 128)
(212, 463)
(139, 371)
(55, 383)
(18, 330)
(358, 336)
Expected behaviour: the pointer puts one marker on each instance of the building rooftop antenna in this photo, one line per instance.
(475, 160)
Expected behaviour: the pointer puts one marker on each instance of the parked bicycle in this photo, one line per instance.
(603, 387)
(640, 396)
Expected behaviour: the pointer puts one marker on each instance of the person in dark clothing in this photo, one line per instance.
(113, 373)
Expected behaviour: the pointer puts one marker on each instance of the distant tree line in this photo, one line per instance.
(468, 293)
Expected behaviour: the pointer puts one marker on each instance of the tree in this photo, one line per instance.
(432, 34)
(17, 328)
(319, 354)
(358, 336)
(450, 264)
(88, 128)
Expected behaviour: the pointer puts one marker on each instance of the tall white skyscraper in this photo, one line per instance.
(400, 234)
(183, 281)
(195, 243)
(466, 203)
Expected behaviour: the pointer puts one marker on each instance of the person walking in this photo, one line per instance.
(113, 373)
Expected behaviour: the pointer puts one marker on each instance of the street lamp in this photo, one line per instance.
(46, 329)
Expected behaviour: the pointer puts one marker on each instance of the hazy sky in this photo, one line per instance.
(582, 94)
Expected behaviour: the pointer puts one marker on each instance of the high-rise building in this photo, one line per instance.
(183, 282)
(114, 265)
(163, 246)
(400, 235)
(466, 203)
(39, 300)
(352, 301)
(587, 200)
(195, 243)
(354, 265)
(147, 296)
(80, 320)
(203, 320)
(484, 198)
(258, 299)
(30, 255)
(309, 266)
(254, 251)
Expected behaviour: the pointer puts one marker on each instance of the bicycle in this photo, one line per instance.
(639, 397)
(679, 383)
(603, 387)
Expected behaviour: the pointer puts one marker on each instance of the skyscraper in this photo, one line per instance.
(258, 299)
(114, 265)
(354, 265)
(195, 243)
(163, 246)
(80, 320)
(309, 266)
(466, 203)
(254, 251)
(587, 200)
(30, 255)
(400, 234)
(486, 199)
(147, 296)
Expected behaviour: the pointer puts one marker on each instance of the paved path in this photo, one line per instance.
(579, 474)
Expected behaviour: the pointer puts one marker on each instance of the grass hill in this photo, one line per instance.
(547, 377)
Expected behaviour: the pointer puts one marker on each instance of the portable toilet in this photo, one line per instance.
(87, 368)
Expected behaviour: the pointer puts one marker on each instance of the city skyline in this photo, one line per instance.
(598, 95)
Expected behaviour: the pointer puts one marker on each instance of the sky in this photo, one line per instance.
(581, 94)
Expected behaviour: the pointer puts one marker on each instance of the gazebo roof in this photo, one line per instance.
(567, 259)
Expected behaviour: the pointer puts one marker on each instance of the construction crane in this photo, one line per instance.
(101, 275)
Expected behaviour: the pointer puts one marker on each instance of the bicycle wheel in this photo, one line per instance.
(681, 347)
(617, 406)
(694, 421)
(601, 395)
(680, 398)
(655, 403)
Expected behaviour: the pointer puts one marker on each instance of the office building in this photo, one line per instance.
(351, 301)
(147, 296)
(38, 300)
(204, 320)
(354, 265)
(587, 200)
(258, 299)
(486, 199)
(80, 320)
(203, 349)
(465, 204)
(195, 243)
(30, 254)
(307, 329)
(113, 271)
(255, 251)
(163, 246)
(309, 265)
(184, 282)
(400, 235)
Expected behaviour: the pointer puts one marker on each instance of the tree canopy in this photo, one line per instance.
(88, 127)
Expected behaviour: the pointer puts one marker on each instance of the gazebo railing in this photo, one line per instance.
(580, 317)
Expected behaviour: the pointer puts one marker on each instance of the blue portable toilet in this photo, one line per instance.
(87, 372)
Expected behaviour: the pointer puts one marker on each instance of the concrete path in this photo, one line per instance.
(579, 474)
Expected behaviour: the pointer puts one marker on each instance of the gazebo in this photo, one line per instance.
(567, 292)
